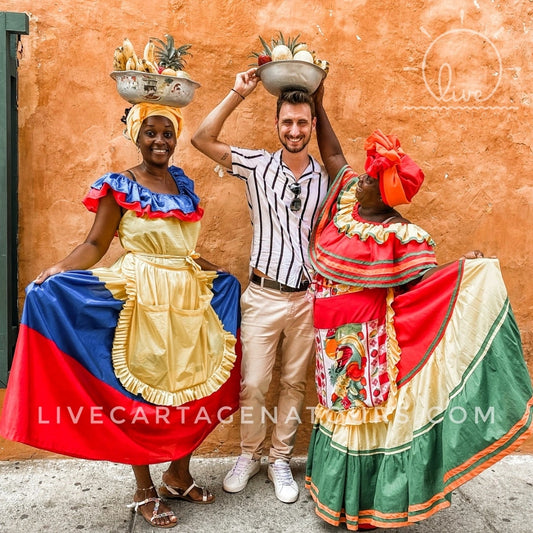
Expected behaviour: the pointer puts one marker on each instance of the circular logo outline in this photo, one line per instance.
(462, 30)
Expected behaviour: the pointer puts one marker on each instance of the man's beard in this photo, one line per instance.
(294, 150)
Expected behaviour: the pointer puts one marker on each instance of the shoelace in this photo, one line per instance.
(283, 473)
(241, 465)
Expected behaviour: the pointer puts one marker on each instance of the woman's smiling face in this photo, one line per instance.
(157, 140)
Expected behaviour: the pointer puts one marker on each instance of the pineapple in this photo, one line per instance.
(279, 49)
(265, 55)
(169, 58)
(282, 50)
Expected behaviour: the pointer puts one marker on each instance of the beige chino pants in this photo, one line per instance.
(267, 316)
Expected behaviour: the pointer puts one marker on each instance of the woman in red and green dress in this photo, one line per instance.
(414, 360)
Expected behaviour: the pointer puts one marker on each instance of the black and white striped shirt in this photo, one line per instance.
(280, 236)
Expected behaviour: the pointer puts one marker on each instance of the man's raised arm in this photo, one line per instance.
(206, 137)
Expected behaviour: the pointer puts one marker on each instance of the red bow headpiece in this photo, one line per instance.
(399, 176)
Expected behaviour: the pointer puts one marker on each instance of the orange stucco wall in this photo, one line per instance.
(471, 132)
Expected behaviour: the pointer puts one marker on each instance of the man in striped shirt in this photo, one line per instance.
(284, 191)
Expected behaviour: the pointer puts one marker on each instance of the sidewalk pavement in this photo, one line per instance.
(70, 495)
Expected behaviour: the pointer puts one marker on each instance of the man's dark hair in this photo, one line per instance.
(295, 96)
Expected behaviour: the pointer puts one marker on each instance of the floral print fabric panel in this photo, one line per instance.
(351, 365)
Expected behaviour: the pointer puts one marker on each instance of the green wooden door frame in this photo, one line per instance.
(12, 25)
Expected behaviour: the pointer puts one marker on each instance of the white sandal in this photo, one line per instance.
(179, 494)
(155, 516)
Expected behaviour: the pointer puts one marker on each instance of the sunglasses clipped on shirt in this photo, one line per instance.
(296, 203)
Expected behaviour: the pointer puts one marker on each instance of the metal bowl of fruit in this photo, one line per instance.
(278, 76)
(136, 87)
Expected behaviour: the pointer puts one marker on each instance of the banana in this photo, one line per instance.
(131, 64)
(127, 49)
(119, 61)
(149, 52)
(148, 66)
(132, 61)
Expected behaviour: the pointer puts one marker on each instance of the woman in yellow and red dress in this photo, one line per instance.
(134, 363)
(414, 360)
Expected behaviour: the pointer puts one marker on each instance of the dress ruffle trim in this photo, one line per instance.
(380, 413)
(131, 195)
(346, 221)
(158, 396)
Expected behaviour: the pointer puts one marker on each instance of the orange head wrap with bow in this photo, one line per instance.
(141, 111)
(399, 176)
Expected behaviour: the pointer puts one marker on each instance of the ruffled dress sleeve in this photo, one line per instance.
(346, 249)
(131, 195)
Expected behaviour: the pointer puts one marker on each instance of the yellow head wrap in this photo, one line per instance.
(139, 112)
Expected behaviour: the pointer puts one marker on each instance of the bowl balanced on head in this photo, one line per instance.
(157, 329)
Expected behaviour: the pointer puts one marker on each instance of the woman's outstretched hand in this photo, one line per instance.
(474, 254)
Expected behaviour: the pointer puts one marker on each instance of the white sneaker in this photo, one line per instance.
(244, 469)
(279, 472)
